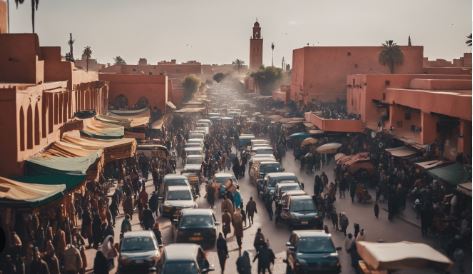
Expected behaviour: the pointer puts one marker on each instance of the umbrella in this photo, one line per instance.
(329, 148)
(315, 131)
(309, 141)
(299, 135)
(338, 156)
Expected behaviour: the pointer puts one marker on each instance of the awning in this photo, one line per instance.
(158, 124)
(113, 149)
(402, 255)
(453, 174)
(19, 194)
(128, 119)
(102, 130)
(329, 148)
(170, 105)
(401, 152)
(190, 110)
(430, 164)
(70, 181)
(465, 188)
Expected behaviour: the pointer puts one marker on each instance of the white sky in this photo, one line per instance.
(218, 31)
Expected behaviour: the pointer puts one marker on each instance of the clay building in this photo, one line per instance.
(40, 93)
(319, 73)
(3, 16)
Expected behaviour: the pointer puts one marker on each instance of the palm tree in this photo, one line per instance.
(87, 53)
(238, 64)
(468, 41)
(391, 55)
(34, 8)
(119, 60)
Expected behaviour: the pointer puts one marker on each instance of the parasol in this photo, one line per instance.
(329, 148)
(309, 141)
(299, 135)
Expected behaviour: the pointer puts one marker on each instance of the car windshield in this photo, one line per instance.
(274, 181)
(270, 168)
(196, 221)
(176, 182)
(315, 245)
(137, 244)
(264, 151)
(180, 267)
(194, 161)
(179, 195)
(196, 135)
(302, 205)
(287, 188)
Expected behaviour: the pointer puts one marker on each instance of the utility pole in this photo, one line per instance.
(272, 54)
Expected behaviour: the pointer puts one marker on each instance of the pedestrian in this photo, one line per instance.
(72, 262)
(264, 259)
(50, 258)
(334, 218)
(243, 213)
(376, 210)
(227, 205)
(269, 207)
(251, 210)
(243, 263)
(211, 194)
(237, 222)
(114, 210)
(154, 202)
(344, 222)
(259, 240)
(126, 225)
(237, 200)
(361, 236)
(60, 243)
(157, 233)
(348, 241)
(226, 223)
(109, 251)
(100, 263)
(356, 229)
(222, 251)
(38, 266)
(352, 191)
(148, 218)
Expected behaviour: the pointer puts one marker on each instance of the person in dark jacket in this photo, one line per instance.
(148, 219)
(154, 202)
(259, 240)
(38, 266)
(100, 263)
(96, 229)
(265, 256)
(222, 251)
(243, 263)
(251, 210)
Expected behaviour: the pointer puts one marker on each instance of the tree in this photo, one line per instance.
(238, 64)
(468, 40)
(218, 77)
(119, 60)
(190, 85)
(267, 79)
(87, 53)
(34, 8)
(391, 55)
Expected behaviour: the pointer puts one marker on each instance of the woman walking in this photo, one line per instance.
(222, 251)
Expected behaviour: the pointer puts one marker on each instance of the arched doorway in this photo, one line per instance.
(22, 129)
(29, 128)
(121, 101)
(143, 102)
(36, 129)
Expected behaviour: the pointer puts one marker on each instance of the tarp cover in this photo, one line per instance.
(454, 174)
(190, 110)
(465, 188)
(19, 194)
(402, 255)
(430, 164)
(401, 152)
(329, 148)
(128, 119)
(113, 149)
(102, 130)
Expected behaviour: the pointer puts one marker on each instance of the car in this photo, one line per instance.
(261, 158)
(299, 211)
(258, 150)
(259, 169)
(184, 259)
(283, 187)
(205, 121)
(196, 135)
(173, 180)
(194, 151)
(194, 144)
(259, 142)
(203, 128)
(268, 186)
(222, 178)
(311, 251)
(177, 198)
(244, 140)
(139, 252)
(196, 226)
(194, 163)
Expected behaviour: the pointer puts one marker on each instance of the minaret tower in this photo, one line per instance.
(256, 48)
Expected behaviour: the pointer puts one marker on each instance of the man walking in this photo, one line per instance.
(251, 210)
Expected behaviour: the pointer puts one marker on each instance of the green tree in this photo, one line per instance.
(267, 79)
(87, 53)
(119, 60)
(218, 77)
(34, 8)
(190, 85)
(468, 40)
(238, 64)
(391, 55)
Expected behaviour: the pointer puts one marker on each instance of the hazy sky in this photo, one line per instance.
(218, 31)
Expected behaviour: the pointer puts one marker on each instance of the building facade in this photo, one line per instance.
(256, 48)
(319, 73)
(3, 16)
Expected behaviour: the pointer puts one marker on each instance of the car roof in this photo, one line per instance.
(301, 197)
(269, 162)
(174, 176)
(222, 174)
(262, 156)
(181, 252)
(261, 147)
(177, 188)
(195, 156)
(193, 148)
(138, 233)
(197, 211)
(311, 233)
(295, 193)
(286, 183)
(280, 174)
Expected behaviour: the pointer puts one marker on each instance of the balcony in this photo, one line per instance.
(334, 125)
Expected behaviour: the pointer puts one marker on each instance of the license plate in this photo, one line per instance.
(196, 238)
(304, 222)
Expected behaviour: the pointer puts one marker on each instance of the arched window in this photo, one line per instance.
(37, 128)
(65, 107)
(60, 108)
(120, 101)
(22, 129)
(87, 100)
(50, 113)
(44, 116)
(29, 128)
(142, 103)
(56, 108)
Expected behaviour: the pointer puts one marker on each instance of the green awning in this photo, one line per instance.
(71, 181)
(453, 174)
(98, 129)
(54, 165)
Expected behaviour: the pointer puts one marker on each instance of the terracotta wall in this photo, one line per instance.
(152, 87)
(256, 53)
(319, 73)
(170, 69)
(3, 16)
